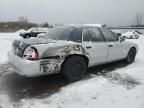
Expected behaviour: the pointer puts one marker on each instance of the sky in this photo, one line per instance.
(110, 12)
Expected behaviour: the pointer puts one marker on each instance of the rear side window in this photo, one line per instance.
(95, 35)
(76, 35)
(109, 36)
(86, 36)
(92, 34)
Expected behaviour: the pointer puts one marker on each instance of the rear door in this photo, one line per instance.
(95, 45)
(116, 48)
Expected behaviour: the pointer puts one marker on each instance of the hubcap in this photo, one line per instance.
(131, 56)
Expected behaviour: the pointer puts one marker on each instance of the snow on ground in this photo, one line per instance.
(5, 44)
(121, 88)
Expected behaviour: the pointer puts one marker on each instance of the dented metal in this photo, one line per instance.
(54, 64)
(51, 53)
(51, 65)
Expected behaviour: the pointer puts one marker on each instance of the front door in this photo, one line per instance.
(115, 47)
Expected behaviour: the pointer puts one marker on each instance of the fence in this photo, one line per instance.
(126, 29)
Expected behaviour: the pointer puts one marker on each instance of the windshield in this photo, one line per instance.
(61, 33)
(31, 29)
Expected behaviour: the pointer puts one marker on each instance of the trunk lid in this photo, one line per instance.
(19, 45)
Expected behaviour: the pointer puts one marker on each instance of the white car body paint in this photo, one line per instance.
(96, 52)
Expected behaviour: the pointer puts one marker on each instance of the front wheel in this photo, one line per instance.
(74, 68)
(131, 56)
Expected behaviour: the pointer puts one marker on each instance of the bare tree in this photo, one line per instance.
(45, 25)
(22, 19)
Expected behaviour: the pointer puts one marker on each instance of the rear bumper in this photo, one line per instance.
(34, 68)
(24, 67)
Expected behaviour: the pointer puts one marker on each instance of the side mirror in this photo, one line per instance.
(122, 38)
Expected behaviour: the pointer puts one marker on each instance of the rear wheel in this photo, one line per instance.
(27, 36)
(74, 68)
(131, 37)
(137, 36)
(131, 56)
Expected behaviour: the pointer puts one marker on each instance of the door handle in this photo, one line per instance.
(110, 45)
(88, 47)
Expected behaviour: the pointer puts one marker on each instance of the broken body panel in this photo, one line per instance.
(51, 53)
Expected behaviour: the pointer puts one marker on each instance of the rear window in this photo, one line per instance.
(61, 33)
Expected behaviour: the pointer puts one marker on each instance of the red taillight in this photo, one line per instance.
(33, 56)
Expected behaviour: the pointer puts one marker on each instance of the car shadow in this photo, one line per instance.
(105, 68)
(18, 87)
(106, 71)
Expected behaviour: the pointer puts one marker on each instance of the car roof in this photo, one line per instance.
(85, 26)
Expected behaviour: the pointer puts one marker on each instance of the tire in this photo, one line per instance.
(27, 36)
(74, 68)
(131, 56)
(137, 36)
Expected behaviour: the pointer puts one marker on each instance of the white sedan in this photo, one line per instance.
(69, 50)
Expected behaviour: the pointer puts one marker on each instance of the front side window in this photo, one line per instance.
(109, 36)
(30, 30)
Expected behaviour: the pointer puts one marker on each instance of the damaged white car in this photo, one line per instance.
(69, 50)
